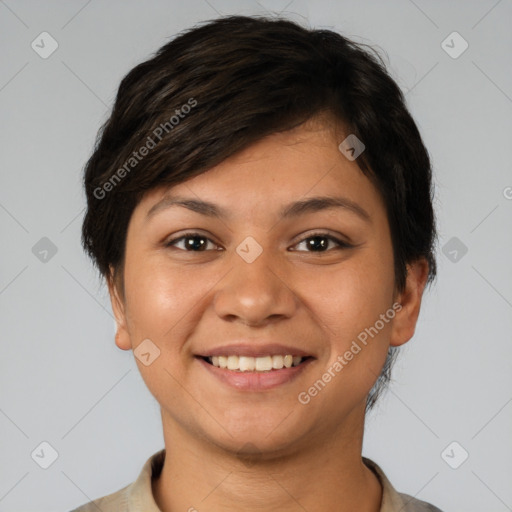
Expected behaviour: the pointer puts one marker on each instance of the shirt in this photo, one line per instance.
(138, 496)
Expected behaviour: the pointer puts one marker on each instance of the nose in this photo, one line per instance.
(256, 293)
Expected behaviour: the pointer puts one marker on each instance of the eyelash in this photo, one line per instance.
(340, 243)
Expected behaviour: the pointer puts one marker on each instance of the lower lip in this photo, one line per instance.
(255, 381)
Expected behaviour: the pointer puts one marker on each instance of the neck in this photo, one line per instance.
(198, 475)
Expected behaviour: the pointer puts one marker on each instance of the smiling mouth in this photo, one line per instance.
(255, 364)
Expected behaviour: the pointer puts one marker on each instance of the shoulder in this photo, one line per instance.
(113, 502)
(135, 497)
(393, 501)
(414, 505)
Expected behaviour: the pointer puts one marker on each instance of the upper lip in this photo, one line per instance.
(253, 350)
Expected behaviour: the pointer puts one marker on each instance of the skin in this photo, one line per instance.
(228, 449)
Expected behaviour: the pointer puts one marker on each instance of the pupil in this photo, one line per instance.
(193, 242)
(318, 242)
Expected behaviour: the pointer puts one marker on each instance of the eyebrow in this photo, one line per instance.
(309, 205)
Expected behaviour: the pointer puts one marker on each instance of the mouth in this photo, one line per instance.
(259, 373)
(253, 367)
(263, 364)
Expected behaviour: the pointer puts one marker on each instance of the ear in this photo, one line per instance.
(405, 319)
(118, 307)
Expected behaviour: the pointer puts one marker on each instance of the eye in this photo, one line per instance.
(316, 242)
(194, 242)
(319, 242)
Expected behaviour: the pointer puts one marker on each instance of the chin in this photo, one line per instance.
(258, 438)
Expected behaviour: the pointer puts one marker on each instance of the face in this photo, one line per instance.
(257, 275)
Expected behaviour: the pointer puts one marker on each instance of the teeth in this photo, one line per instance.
(263, 364)
(246, 363)
(259, 364)
(233, 363)
(277, 362)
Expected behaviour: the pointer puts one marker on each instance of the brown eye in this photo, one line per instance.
(319, 242)
(193, 242)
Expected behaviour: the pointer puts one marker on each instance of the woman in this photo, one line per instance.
(260, 205)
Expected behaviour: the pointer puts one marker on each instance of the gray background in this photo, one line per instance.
(63, 380)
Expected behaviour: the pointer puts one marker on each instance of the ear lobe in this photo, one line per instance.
(118, 307)
(404, 323)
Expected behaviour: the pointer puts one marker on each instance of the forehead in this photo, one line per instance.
(276, 170)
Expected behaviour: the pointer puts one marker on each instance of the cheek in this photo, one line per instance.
(351, 296)
(160, 305)
(157, 297)
(166, 302)
(350, 300)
